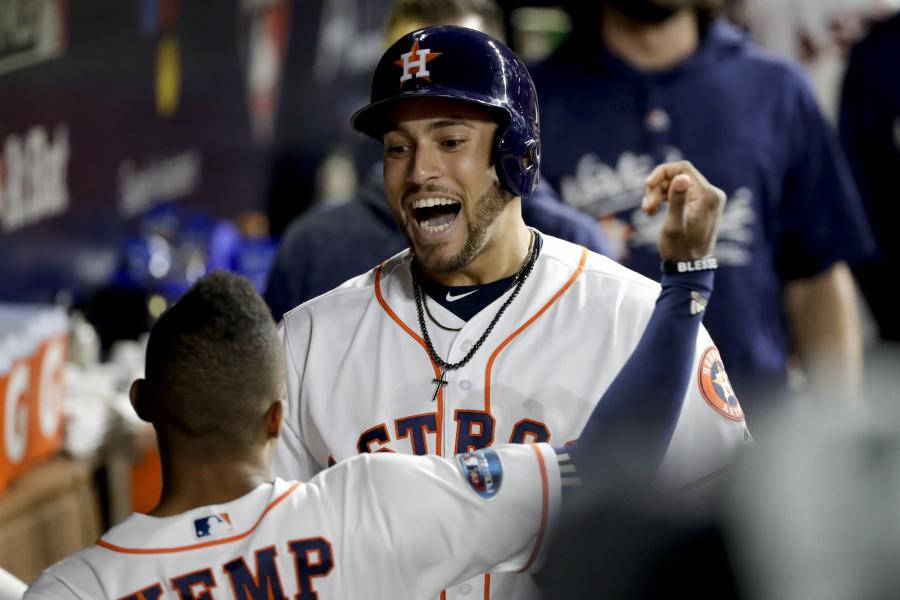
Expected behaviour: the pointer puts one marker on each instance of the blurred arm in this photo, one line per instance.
(824, 323)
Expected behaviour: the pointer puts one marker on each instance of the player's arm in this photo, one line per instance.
(58, 592)
(50, 587)
(824, 324)
(440, 521)
(631, 427)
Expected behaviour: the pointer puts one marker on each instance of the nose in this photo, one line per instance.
(425, 164)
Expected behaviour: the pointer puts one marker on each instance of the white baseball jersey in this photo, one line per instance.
(11, 588)
(360, 378)
(373, 527)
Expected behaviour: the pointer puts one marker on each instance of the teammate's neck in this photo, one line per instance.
(189, 483)
(501, 257)
(650, 47)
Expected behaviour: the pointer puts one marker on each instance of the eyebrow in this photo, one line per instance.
(439, 124)
(451, 122)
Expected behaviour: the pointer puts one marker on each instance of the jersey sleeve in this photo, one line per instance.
(710, 428)
(69, 578)
(631, 425)
(50, 591)
(820, 219)
(293, 460)
(444, 520)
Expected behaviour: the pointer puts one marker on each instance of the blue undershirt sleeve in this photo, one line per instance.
(629, 430)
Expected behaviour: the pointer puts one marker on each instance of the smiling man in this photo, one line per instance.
(484, 330)
(460, 220)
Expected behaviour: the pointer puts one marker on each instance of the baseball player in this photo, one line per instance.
(377, 525)
(484, 331)
(323, 248)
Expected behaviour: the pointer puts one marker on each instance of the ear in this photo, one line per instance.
(140, 399)
(273, 419)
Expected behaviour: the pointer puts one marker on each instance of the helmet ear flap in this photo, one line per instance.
(517, 164)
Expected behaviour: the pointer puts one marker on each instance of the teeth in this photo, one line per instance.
(428, 202)
(433, 229)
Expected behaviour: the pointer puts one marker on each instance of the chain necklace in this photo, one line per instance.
(534, 249)
(435, 321)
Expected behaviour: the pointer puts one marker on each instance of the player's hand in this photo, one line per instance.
(689, 230)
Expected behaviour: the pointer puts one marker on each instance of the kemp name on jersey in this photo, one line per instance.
(354, 531)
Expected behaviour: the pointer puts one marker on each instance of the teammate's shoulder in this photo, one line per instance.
(356, 291)
(72, 577)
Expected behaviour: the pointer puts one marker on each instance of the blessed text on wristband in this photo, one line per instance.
(672, 267)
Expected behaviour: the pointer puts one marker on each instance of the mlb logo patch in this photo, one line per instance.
(482, 470)
(212, 525)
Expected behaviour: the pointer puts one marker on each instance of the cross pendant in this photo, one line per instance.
(438, 382)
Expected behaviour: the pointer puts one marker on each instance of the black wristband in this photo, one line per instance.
(672, 267)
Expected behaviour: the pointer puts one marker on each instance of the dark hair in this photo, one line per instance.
(215, 365)
(585, 15)
(441, 12)
(707, 12)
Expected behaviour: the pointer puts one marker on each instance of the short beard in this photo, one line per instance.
(488, 208)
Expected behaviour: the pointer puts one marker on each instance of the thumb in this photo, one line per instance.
(678, 191)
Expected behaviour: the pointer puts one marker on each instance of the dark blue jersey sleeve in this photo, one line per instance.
(631, 426)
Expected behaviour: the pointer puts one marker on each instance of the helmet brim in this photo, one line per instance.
(374, 119)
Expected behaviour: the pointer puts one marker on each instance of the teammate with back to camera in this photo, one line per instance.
(484, 331)
(382, 525)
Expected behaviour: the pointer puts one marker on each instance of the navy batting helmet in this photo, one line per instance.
(467, 65)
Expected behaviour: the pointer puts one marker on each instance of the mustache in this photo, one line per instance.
(431, 188)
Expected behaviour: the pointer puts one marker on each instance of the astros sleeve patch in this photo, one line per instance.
(715, 386)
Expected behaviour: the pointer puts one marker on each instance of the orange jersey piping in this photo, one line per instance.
(415, 336)
(545, 509)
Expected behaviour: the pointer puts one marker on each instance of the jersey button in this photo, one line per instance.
(465, 384)
(465, 589)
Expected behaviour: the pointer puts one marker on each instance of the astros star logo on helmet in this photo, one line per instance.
(415, 63)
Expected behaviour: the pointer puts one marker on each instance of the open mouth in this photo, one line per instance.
(435, 214)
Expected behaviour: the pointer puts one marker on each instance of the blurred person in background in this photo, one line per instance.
(870, 132)
(813, 514)
(817, 34)
(325, 247)
(641, 82)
